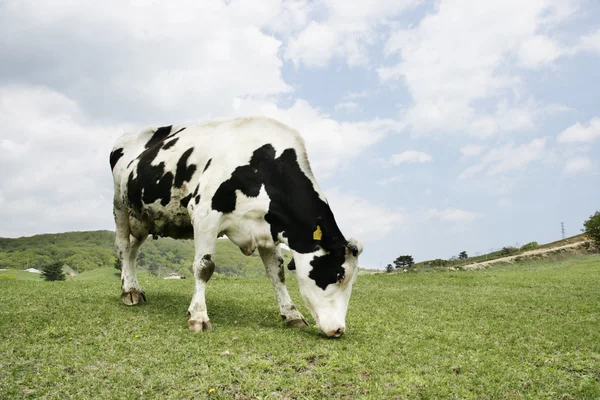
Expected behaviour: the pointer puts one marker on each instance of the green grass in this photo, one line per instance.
(526, 331)
(13, 274)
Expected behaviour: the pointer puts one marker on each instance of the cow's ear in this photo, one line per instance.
(354, 247)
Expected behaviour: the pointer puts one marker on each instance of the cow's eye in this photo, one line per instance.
(340, 277)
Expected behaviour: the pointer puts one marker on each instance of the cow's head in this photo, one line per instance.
(325, 281)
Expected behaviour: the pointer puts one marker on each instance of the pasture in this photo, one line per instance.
(530, 330)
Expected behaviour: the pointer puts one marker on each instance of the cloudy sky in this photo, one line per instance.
(433, 126)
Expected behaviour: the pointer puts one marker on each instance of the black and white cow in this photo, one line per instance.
(249, 179)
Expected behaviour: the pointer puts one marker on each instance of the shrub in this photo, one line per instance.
(529, 246)
(508, 250)
(592, 228)
(438, 262)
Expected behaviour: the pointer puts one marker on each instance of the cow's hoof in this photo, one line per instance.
(297, 323)
(199, 326)
(133, 297)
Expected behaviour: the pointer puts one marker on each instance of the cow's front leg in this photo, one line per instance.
(204, 266)
(271, 257)
(205, 237)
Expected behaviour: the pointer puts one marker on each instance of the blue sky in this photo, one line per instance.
(432, 126)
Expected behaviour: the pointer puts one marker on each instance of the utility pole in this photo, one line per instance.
(562, 229)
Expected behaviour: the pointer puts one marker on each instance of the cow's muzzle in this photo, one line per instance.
(334, 333)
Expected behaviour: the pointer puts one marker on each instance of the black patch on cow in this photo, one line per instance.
(207, 165)
(151, 182)
(281, 271)
(292, 265)
(294, 208)
(114, 157)
(184, 172)
(197, 189)
(184, 202)
(206, 268)
(328, 268)
(159, 136)
(170, 144)
(197, 199)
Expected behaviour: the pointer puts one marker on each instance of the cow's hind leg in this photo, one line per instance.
(128, 247)
(274, 266)
(205, 237)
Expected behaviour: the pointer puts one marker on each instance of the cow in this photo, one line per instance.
(250, 180)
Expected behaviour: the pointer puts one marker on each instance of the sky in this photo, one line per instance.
(433, 127)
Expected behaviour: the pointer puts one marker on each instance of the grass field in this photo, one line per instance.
(523, 331)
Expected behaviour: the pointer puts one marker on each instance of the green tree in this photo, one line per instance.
(592, 228)
(463, 255)
(53, 272)
(153, 268)
(404, 262)
(389, 268)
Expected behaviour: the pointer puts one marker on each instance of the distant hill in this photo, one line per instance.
(85, 251)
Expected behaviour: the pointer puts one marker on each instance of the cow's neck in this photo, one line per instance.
(296, 217)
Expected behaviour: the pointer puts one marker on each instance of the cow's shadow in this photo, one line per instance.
(223, 311)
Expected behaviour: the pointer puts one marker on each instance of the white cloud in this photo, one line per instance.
(361, 219)
(346, 105)
(453, 215)
(538, 51)
(579, 133)
(576, 165)
(189, 66)
(471, 150)
(410, 156)
(590, 42)
(331, 144)
(346, 30)
(314, 46)
(54, 173)
(508, 158)
(466, 52)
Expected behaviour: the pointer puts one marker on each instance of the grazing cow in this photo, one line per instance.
(249, 179)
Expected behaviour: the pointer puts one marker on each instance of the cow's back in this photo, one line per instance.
(164, 174)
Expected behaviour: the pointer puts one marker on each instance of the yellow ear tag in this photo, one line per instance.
(317, 234)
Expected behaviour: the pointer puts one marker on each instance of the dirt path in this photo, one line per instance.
(510, 259)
